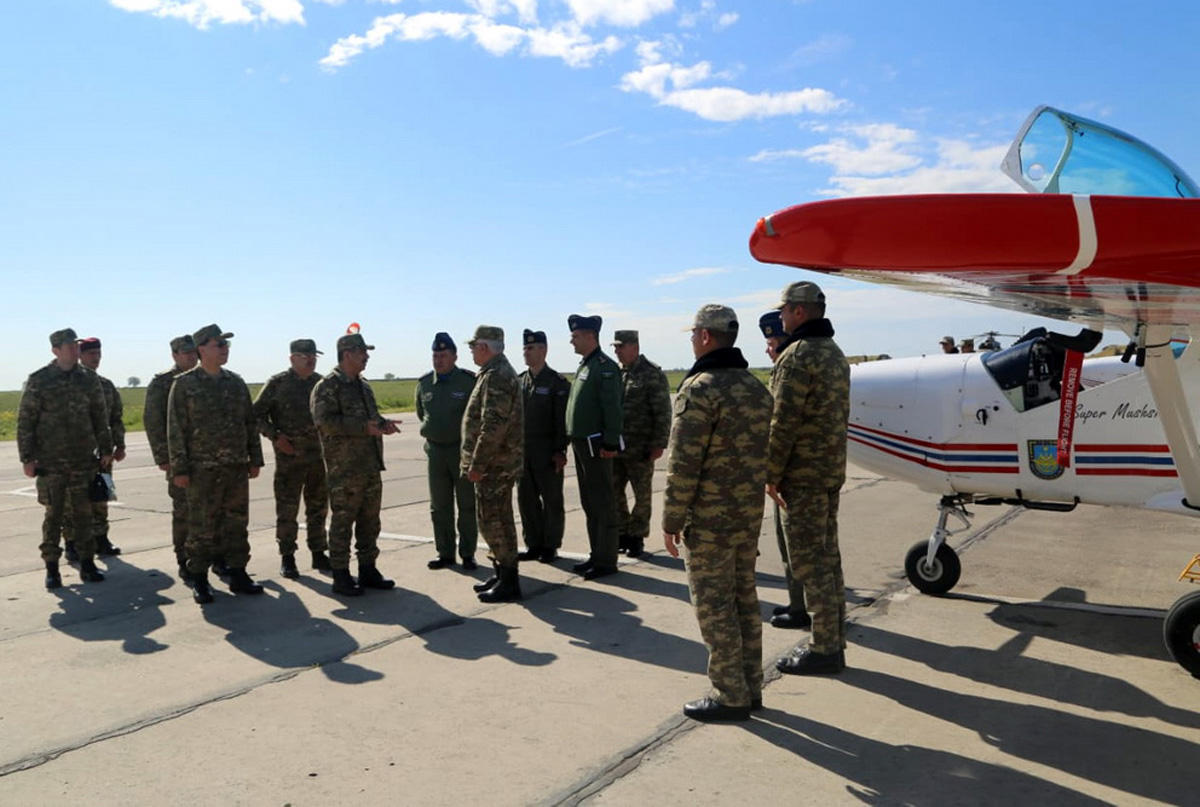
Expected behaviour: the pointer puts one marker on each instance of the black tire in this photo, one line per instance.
(1181, 632)
(937, 578)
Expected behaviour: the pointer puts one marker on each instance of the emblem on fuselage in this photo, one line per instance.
(1043, 459)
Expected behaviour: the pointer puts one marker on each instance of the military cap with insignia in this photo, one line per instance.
(625, 337)
(443, 341)
(353, 341)
(713, 317)
(771, 324)
(802, 291)
(90, 343)
(65, 335)
(492, 333)
(304, 346)
(210, 332)
(578, 322)
(534, 337)
(183, 344)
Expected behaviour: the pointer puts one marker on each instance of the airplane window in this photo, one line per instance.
(1029, 372)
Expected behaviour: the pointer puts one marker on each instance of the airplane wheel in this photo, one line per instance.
(1181, 632)
(936, 578)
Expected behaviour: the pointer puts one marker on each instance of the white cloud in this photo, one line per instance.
(579, 141)
(201, 13)
(887, 149)
(960, 167)
(566, 42)
(622, 13)
(725, 20)
(820, 49)
(526, 10)
(687, 274)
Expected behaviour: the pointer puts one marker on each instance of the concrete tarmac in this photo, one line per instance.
(1041, 679)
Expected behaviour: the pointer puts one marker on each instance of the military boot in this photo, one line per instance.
(507, 589)
(201, 590)
(491, 581)
(105, 548)
(806, 662)
(320, 561)
(185, 576)
(370, 577)
(240, 583)
(220, 567)
(635, 547)
(88, 572)
(622, 543)
(287, 567)
(344, 584)
(53, 578)
(70, 551)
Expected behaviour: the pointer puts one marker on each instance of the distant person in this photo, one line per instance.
(62, 427)
(594, 421)
(540, 491)
(966, 346)
(947, 344)
(441, 399)
(183, 352)
(794, 615)
(646, 429)
(493, 436)
(215, 451)
(713, 504)
(89, 357)
(285, 418)
(352, 430)
(807, 467)
(989, 344)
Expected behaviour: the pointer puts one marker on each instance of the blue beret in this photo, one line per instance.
(771, 324)
(578, 322)
(534, 337)
(442, 341)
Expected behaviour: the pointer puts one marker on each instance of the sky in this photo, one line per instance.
(287, 167)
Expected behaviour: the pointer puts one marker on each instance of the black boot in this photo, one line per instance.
(71, 552)
(529, 554)
(370, 577)
(287, 567)
(321, 561)
(53, 578)
(201, 591)
(105, 548)
(240, 583)
(622, 543)
(635, 547)
(88, 572)
(344, 584)
(491, 581)
(507, 589)
(220, 567)
(185, 576)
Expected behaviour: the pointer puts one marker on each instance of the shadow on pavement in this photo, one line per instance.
(126, 607)
(883, 773)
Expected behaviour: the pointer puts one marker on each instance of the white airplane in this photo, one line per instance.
(1032, 424)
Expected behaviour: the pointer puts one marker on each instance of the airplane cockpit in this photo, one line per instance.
(1029, 372)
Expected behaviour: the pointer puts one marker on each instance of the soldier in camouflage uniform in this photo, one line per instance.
(647, 426)
(807, 466)
(214, 448)
(594, 420)
(62, 426)
(351, 429)
(794, 615)
(285, 418)
(183, 351)
(540, 492)
(89, 357)
(715, 473)
(441, 399)
(493, 435)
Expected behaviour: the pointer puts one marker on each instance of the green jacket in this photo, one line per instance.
(116, 411)
(493, 428)
(154, 413)
(441, 403)
(341, 408)
(647, 424)
(210, 422)
(594, 405)
(283, 407)
(545, 398)
(62, 422)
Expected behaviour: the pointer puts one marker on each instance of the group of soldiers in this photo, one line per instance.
(731, 442)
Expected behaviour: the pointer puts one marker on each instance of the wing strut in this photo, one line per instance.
(1174, 412)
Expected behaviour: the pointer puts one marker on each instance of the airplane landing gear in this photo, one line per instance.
(931, 566)
(1181, 632)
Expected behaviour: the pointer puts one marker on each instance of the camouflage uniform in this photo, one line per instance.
(116, 425)
(341, 408)
(647, 426)
(212, 438)
(714, 497)
(493, 432)
(807, 461)
(540, 492)
(62, 425)
(155, 418)
(795, 586)
(440, 406)
(282, 408)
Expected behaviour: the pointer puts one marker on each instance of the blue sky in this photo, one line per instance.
(286, 167)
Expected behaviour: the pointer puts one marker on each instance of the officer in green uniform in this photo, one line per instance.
(594, 420)
(441, 399)
(540, 491)
(183, 351)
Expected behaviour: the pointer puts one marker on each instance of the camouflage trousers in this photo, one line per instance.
(795, 586)
(295, 475)
(179, 519)
(218, 506)
(494, 512)
(721, 581)
(354, 502)
(62, 494)
(447, 486)
(640, 475)
(99, 528)
(540, 498)
(810, 524)
(595, 478)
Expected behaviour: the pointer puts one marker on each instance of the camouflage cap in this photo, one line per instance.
(492, 333)
(625, 337)
(771, 324)
(443, 341)
(183, 344)
(353, 341)
(946, 340)
(304, 346)
(534, 337)
(90, 343)
(210, 332)
(713, 317)
(577, 322)
(802, 291)
(65, 335)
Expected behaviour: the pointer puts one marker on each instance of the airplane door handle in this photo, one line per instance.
(981, 415)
